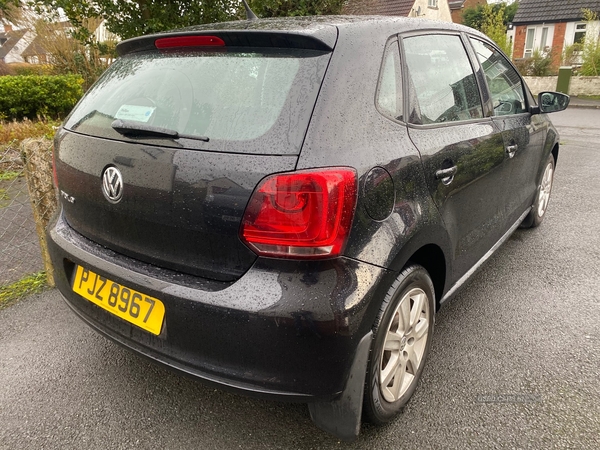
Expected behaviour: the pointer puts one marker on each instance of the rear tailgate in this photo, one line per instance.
(239, 114)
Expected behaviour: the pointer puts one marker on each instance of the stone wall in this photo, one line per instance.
(579, 85)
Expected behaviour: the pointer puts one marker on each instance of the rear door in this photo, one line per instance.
(462, 150)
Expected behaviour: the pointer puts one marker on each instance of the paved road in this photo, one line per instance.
(515, 360)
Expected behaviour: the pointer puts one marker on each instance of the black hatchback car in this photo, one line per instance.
(280, 206)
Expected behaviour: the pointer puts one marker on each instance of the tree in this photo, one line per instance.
(492, 20)
(130, 18)
(282, 8)
(475, 17)
(10, 11)
(591, 45)
(493, 27)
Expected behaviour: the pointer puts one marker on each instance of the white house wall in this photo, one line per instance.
(592, 31)
(441, 12)
(103, 35)
(14, 55)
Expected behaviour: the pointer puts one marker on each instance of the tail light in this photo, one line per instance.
(54, 176)
(305, 214)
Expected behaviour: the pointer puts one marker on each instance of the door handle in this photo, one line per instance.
(511, 149)
(446, 175)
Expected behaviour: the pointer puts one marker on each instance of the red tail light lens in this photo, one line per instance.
(54, 176)
(189, 41)
(305, 214)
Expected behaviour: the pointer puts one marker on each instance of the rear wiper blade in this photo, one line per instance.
(132, 128)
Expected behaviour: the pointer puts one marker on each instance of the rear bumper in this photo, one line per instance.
(285, 329)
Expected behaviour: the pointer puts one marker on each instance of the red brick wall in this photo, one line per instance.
(558, 43)
(519, 45)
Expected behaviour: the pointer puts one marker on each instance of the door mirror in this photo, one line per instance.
(552, 101)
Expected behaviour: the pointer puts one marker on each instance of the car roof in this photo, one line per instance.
(300, 31)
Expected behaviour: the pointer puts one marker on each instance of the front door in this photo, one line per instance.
(523, 134)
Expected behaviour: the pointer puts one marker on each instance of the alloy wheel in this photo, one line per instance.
(405, 344)
(545, 189)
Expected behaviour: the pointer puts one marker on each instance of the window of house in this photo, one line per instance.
(529, 40)
(389, 93)
(580, 30)
(503, 80)
(432, 3)
(543, 44)
(442, 80)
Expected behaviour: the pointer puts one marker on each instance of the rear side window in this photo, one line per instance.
(389, 94)
(442, 79)
(503, 80)
(224, 96)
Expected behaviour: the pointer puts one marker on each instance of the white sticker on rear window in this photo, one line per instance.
(134, 112)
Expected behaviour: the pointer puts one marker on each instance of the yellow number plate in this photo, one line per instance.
(133, 306)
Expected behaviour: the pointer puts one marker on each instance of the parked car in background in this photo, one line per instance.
(279, 207)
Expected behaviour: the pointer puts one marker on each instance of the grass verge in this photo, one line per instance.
(588, 97)
(30, 284)
(9, 176)
(14, 132)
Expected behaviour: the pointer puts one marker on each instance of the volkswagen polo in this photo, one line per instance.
(279, 207)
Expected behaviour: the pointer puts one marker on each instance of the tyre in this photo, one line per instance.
(540, 206)
(402, 337)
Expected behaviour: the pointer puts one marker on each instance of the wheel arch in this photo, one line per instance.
(555, 153)
(432, 259)
(431, 254)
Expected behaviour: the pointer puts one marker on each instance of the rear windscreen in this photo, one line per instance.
(250, 101)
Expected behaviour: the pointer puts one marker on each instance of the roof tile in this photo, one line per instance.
(537, 11)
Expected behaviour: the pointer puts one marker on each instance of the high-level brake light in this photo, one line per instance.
(189, 41)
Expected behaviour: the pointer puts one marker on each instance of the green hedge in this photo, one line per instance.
(35, 96)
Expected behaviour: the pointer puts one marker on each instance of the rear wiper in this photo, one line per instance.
(137, 129)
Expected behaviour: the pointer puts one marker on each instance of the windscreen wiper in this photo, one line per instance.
(131, 128)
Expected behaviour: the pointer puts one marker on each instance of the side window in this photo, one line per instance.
(389, 94)
(505, 84)
(442, 79)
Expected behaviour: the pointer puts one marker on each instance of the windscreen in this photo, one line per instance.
(248, 101)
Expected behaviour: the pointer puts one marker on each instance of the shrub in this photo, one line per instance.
(591, 46)
(30, 69)
(539, 65)
(5, 69)
(35, 96)
(14, 132)
(591, 60)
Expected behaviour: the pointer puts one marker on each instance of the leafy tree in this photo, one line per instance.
(9, 10)
(476, 16)
(591, 47)
(510, 11)
(492, 20)
(493, 26)
(282, 8)
(130, 18)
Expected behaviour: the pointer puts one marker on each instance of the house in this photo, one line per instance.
(550, 26)
(13, 43)
(457, 8)
(427, 9)
(39, 51)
